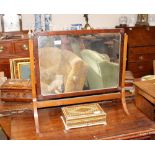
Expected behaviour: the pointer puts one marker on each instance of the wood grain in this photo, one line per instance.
(141, 50)
(147, 89)
(119, 125)
(12, 48)
(154, 67)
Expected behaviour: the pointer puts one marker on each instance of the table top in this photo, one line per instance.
(119, 125)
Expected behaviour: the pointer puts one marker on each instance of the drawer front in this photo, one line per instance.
(141, 54)
(140, 69)
(22, 48)
(5, 67)
(16, 95)
(140, 36)
(5, 48)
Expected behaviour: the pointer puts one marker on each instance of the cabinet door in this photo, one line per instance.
(22, 48)
(5, 48)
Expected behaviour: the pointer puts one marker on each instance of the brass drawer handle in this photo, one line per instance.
(130, 28)
(141, 57)
(1, 49)
(25, 47)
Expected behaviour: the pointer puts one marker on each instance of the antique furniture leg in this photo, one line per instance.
(123, 75)
(36, 120)
(154, 67)
(33, 83)
(123, 100)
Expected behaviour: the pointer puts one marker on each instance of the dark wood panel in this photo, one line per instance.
(141, 36)
(5, 67)
(21, 47)
(141, 54)
(12, 48)
(5, 48)
(141, 50)
(140, 69)
(119, 125)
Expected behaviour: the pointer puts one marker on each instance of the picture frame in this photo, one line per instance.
(142, 20)
(11, 22)
(16, 67)
(23, 70)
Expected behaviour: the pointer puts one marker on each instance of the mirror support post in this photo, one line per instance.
(36, 119)
(33, 82)
(123, 75)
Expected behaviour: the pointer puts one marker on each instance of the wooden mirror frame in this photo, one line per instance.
(118, 93)
(83, 92)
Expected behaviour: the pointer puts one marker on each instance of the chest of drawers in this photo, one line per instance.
(12, 48)
(141, 50)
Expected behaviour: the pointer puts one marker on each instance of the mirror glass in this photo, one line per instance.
(75, 63)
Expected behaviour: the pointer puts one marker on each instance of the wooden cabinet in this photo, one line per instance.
(12, 48)
(5, 48)
(21, 47)
(141, 50)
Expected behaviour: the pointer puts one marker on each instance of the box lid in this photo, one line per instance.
(16, 84)
(81, 111)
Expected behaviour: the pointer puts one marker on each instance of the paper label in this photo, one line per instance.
(57, 42)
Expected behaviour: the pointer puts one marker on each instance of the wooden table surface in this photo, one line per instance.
(119, 125)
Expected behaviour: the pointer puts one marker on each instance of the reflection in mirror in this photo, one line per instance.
(73, 63)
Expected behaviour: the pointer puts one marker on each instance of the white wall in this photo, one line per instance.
(63, 21)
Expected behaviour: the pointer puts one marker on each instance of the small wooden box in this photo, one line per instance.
(145, 97)
(14, 90)
(83, 115)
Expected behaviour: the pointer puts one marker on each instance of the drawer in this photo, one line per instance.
(140, 36)
(6, 48)
(141, 54)
(22, 47)
(140, 69)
